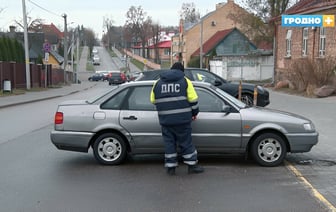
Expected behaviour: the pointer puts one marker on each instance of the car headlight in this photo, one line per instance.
(308, 126)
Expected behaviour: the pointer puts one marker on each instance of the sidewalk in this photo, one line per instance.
(34, 96)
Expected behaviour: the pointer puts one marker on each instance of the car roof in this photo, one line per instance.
(151, 82)
(153, 74)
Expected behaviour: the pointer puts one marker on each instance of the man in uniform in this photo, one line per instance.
(177, 104)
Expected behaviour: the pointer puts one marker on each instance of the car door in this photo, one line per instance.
(213, 129)
(139, 117)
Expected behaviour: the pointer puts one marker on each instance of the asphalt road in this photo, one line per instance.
(35, 176)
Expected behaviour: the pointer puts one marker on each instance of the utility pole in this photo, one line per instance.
(65, 34)
(26, 46)
(201, 44)
(77, 55)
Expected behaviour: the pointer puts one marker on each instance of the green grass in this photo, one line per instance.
(113, 54)
(89, 66)
(137, 63)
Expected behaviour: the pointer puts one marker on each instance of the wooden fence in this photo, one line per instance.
(41, 76)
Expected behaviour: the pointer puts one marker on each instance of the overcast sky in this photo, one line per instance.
(90, 13)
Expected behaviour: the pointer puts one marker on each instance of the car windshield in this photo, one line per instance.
(100, 95)
(231, 98)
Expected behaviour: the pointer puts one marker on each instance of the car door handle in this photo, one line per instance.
(130, 118)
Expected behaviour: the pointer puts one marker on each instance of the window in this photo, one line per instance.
(288, 42)
(114, 103)
(140, 99)
(166, 51)
(205, 97)
(304, 42)
(322, 42)
(203, 76)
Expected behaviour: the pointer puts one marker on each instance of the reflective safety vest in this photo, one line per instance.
(176, 101)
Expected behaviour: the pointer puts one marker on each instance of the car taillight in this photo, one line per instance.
(123, 76)
(59, 118)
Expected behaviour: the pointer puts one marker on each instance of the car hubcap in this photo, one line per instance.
(269, 150)
(109, 149)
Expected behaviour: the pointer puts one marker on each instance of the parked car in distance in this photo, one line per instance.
(116, 77)
(96, 77)
(96, 60)
(133, 75)
(203, 75)
(94, 51)
(124, 121)
(104, 73)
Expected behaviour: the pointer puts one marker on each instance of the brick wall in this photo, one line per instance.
(216, 21)
(282, 62)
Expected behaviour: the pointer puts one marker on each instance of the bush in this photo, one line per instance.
(306, 74)
(11, 50)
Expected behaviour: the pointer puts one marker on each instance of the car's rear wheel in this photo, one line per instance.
(269, 149)
(109, 149)
(247, 99)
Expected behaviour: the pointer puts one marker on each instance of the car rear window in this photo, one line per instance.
(100, 95)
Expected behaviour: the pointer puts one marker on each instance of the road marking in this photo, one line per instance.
(314, 192)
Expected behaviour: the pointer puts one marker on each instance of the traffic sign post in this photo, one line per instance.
(46, 49)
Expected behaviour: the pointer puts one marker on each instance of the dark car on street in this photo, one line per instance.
(203, 75)
(96, 77)
(116, 77)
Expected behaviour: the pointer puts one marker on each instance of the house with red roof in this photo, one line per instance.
(193, 35)
(52, 35)
(232, 51)
(154, 50)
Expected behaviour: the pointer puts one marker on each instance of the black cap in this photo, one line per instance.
(178, 65)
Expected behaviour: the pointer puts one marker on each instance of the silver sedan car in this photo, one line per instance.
(123, 121)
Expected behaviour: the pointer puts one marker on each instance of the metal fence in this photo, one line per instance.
(239, 68)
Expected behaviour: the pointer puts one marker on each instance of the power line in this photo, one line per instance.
(49, 11)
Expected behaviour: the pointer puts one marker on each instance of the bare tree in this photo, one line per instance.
(189, 14)
(136, 25)
(108, 24)
(34, 25)
(89, 37)
(256, 22)
(267, 9)
(156, 37)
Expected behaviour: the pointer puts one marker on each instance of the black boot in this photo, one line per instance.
(195, 169)
(171, 171)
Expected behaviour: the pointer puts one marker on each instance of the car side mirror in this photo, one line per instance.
(226, 109)
(217, 83)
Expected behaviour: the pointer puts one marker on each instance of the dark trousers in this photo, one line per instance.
(178, 136)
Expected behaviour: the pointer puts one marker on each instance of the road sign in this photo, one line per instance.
(46, 47)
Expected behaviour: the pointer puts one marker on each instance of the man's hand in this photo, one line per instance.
(193, 118)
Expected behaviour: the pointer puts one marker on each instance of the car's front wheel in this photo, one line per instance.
(269, 149)
(110, 149)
